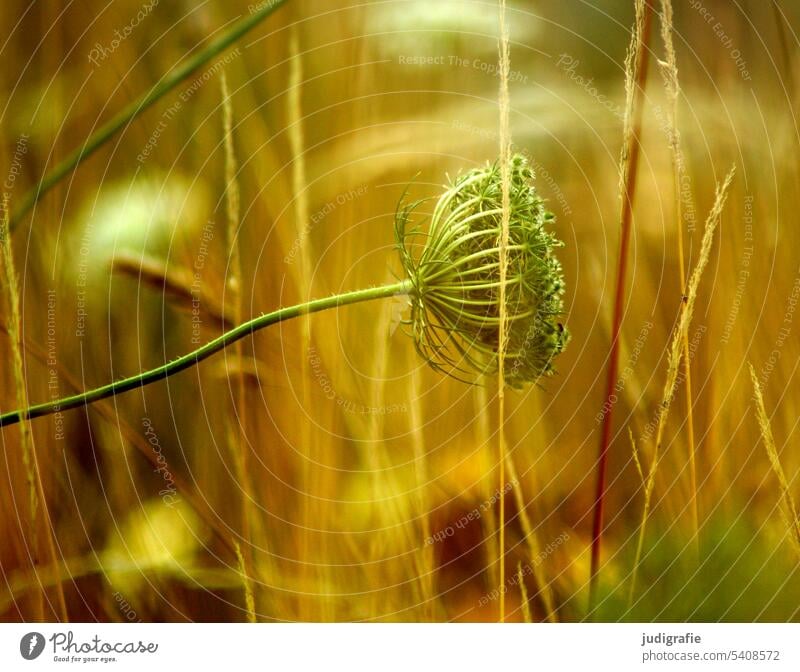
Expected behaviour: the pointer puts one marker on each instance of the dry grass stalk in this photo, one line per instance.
(526, 608)
(247, 582)
(636, 62)
(31, 464)
(669, 71)
(237, 422)
(480, 401)
(674, 359)
(787, 504)
(426, 567)
(674, 356)
(302, 218)
(636, 460)
(232, 194)
(395, 513)
(15, 335)
(505, 172)
(532, 540)
(648, 483)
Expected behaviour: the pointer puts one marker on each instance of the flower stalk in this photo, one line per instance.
(453, 286)
(205, 351)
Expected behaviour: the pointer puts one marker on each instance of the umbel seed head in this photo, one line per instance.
(454, 269)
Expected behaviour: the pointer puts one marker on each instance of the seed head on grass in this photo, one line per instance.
(455, 278)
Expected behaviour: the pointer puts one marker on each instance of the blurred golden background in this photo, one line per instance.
(321, 471)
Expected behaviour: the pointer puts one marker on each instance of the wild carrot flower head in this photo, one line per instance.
(454, 269)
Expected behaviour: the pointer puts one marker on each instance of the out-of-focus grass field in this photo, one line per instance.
(357, 483)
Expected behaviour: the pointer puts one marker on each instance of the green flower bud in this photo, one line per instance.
(454, 268)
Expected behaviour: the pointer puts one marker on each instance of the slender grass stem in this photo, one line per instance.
(787, 503)
(205, 351)
(30, 458)
(674, 357)
(637, 79)
(134, 109)
(236, 422)
(672, 86)
(503, 240)
(300, 197)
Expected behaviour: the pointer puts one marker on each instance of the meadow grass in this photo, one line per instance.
(674, 358)
(669, 71)
(787, 506)
(400, 452)
(636, 66)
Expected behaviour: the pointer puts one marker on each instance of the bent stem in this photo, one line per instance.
(205, 351)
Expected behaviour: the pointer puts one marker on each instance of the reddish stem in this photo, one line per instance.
(619, 297)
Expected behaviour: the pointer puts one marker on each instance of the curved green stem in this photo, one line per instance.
(130, 112)
(205, 351)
